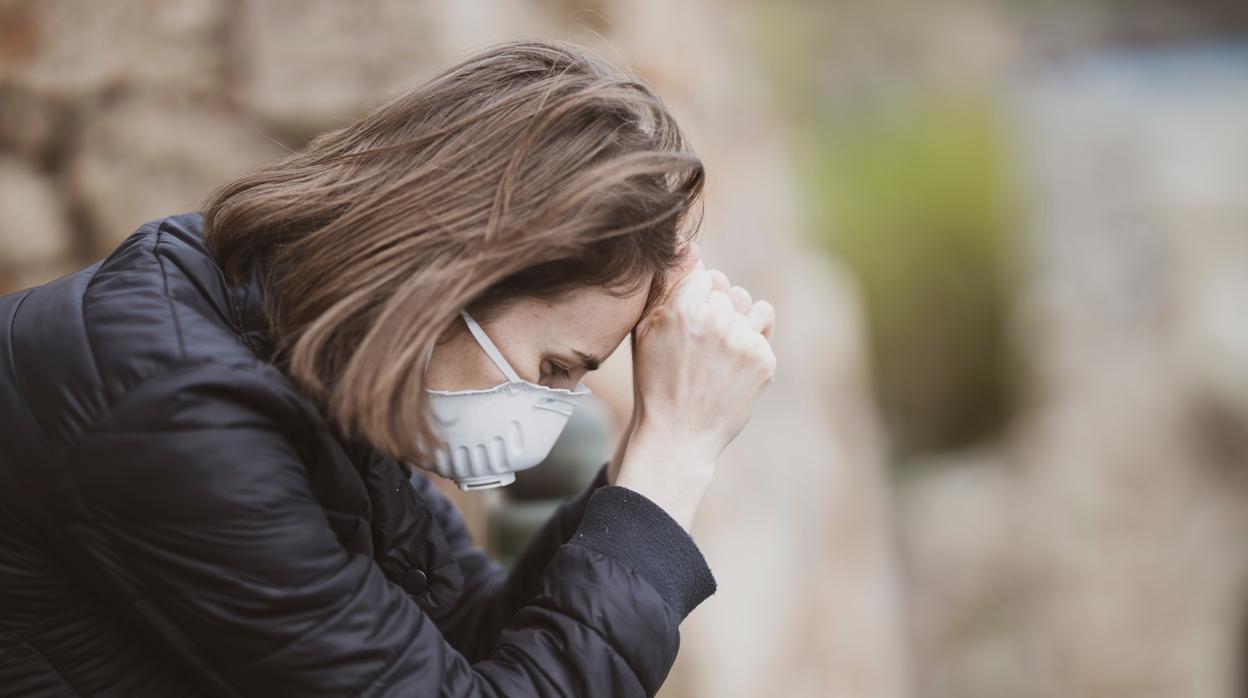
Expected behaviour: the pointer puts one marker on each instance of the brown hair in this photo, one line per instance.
(527, 170)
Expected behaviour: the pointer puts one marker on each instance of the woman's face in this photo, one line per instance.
(552, 344)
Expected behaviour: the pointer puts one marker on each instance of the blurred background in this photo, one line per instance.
(1006, 450)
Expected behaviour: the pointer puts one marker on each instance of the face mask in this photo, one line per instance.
(493, 432)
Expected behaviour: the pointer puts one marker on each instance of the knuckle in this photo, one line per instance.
(763, 354)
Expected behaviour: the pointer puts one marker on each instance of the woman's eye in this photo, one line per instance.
(554, 370)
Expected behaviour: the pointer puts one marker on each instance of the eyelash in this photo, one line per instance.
(560, 371)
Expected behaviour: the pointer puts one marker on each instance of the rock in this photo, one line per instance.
(33, 229)
(1131, 456)
(314, 65)
(142, 159)
(72, 49)
(33, 126)
(965, 573)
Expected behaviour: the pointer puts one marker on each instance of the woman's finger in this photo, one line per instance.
(720, 306)
(761, 318)
(693, 289)
(719, 280)
(740, 299)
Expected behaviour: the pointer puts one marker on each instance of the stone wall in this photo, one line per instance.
(1098, 549)
(1137, 323)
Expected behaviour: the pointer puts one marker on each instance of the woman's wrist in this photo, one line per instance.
(613, 468)
(672, 470)
(695, 451)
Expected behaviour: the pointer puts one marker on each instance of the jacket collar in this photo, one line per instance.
(240, 306)
(252, 318)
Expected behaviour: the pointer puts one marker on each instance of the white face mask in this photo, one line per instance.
(491, 433)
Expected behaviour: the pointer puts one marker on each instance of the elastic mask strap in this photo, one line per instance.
(490, 349)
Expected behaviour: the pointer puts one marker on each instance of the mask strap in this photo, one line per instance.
(493, 352)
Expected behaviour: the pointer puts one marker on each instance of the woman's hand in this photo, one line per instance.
(688, 261)
(699, 360)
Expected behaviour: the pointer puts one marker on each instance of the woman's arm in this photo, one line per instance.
(493, 594)
(189, 510)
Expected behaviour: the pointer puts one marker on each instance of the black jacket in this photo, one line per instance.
(176, 519)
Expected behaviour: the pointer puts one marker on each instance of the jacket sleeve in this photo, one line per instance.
(189, 509)
(492, 593)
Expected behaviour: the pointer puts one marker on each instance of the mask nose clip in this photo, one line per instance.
(557, 405)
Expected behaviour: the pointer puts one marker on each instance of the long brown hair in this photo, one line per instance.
(527, 170)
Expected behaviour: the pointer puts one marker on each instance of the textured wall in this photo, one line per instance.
(1098, 549)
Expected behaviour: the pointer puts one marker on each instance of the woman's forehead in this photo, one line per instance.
(591, 319)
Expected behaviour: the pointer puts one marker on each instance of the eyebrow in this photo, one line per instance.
(591, 362)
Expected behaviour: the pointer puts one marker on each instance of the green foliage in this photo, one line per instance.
(915, 197)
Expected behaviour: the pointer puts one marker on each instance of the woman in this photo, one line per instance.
(208, 433)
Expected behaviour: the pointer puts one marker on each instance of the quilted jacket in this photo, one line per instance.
(177, 519)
